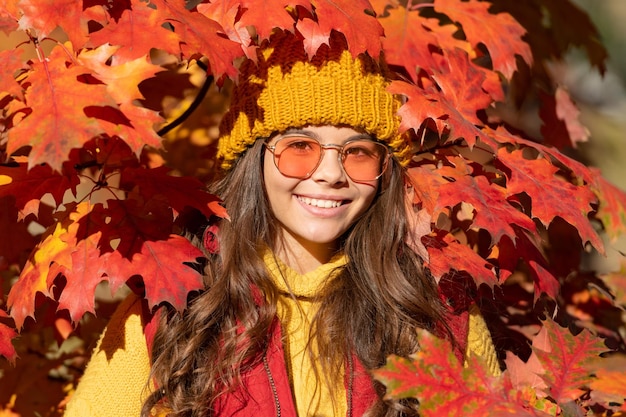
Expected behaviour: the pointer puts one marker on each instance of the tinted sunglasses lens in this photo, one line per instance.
(297, 157)
(364, 160)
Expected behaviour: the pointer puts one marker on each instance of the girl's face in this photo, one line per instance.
(314, 212)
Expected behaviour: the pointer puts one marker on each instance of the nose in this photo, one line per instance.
(330, 169)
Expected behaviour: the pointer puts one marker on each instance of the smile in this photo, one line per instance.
(320, 203)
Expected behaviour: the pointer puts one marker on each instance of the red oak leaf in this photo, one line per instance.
(6, 335)
(561, 126)
(10, 63)
(46, 15)
(180, 192)
(492, 211)
(135, 33)
(227, 14)
(445, 388)
(501, 33)
(9, 13)
(426, 182)
(122, 83)
(349, 17)
(15, 239)
(609, 384)
(445, 254)
(564, 358)
(266, 15)
(27, 185)
(58, 122)
(38, 273)
(551, 195)
(510, 252)
(407, 42)
(612, 209)
(200, 35)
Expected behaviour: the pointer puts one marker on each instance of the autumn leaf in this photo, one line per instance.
(28, 185)
(492, 211)
(609, 383)
(551, 195)
(200, 36)
(6, 335)
(46, 15)
(612, 209)
(179, 192)
(561, 125)
(348, 17)
(137, 30)
(444, 387)
(564, 359)
(266, 15)
(122, 83)
(227, 14)
(503, 40)
(8, 17)
(57, 123)
(446, 254)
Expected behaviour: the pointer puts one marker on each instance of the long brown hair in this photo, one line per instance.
(372, 309)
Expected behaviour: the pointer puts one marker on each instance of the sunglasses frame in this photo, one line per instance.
(323, 147)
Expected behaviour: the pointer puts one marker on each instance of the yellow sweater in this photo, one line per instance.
(115, 382)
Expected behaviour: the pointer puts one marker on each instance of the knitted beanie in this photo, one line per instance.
(285, 89)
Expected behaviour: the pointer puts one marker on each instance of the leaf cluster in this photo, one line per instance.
(94, 190)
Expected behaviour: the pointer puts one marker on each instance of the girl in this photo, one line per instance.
(313, 283)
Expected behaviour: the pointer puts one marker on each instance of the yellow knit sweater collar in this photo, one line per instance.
(306, 285)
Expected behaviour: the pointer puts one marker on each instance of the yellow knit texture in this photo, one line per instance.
(287, 90)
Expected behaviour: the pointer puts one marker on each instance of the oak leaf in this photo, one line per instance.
(609, 383)
(612, 209)
(135, 32)
(9, 16)
(57, 95)
(200, 36)
(46, 15)
(561, 125)
(362, 30)
(180, 192)
(228, 15)
(445, 387)
(6, 335)
(266, 15)
(564, 358)
(551, 195)
(501, 34)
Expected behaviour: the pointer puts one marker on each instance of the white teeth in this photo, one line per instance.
(320, 203)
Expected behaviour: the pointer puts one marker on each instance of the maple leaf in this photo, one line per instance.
(551, 195)
(46, 15)
(57, 122)
(349, 17)
(500, 33)
(561, 125)
(444, 387)
(137, 30)
(564, 357)
(6, 335)
(180, 192)
(200, 35)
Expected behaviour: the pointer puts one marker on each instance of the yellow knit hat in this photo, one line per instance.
(286, 90)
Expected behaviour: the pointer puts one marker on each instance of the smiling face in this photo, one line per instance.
(314, 212)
